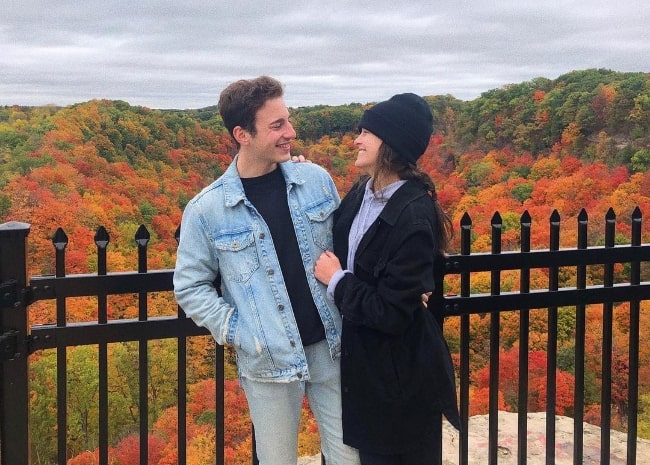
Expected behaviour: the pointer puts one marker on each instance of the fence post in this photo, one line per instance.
(14, 330)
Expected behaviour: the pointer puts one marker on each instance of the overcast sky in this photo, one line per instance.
(182, 53)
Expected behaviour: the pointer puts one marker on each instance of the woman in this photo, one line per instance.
(389, 235)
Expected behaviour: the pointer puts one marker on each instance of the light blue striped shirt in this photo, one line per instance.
(371, 206)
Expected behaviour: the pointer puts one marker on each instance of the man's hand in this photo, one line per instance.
(425, 298)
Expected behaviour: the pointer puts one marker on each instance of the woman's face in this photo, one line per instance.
(368, 145)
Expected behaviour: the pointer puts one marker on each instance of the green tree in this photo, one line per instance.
(640, 161)
(43, 407)
(83, 391)
(522, 191)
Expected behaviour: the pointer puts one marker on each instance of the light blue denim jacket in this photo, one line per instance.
(221, 232)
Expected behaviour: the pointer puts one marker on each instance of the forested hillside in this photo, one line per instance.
(579, 141)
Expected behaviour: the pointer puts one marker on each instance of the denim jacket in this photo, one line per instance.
(222, 233)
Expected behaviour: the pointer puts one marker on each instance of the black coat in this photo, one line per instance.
(396, 371)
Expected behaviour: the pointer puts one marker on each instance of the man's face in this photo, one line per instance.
(273, 132)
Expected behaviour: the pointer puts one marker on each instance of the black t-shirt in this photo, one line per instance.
(268, 193)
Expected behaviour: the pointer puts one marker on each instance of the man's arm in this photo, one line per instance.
(195, 274)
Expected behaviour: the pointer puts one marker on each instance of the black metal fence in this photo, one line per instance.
(18, 339)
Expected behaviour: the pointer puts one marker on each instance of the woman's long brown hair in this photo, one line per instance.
(389, 162)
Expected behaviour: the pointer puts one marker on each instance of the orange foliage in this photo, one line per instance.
(539, 95)
(85, 458)
(479, 401)
(509, 383)
(127, 451)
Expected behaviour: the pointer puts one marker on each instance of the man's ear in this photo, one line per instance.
(241, 135)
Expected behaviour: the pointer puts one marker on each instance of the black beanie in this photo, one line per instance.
(404, 122)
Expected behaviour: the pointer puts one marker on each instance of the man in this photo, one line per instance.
(260, 227)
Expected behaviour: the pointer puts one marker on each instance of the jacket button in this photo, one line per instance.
(270, 272)
(299, 375)
(293, 343)
(262, 236)
(280, 307)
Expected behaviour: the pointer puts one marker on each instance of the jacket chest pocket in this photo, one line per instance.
(238, 258)
(320, 222)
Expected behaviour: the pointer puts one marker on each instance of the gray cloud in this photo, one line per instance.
(168, 54)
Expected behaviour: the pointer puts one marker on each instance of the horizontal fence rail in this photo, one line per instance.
(19, 339)
(482, 303)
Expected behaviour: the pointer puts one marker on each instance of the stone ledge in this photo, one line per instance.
(536, 453)
(536, 444)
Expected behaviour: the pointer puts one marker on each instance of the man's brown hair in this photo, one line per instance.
(240, 101)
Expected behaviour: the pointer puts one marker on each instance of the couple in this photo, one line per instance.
(321, 297)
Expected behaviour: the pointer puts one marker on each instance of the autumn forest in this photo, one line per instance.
(581, 141)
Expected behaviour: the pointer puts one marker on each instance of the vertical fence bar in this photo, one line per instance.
(551, 345)
(579, 358)
(101, 241)
(633, 351)
(181, 410)
(221, 388)
(14, 323)
(524, 323)
(142, 237)
(495, 352)
(60, 241)
(181, 369)
(608, 318)
(465, 249)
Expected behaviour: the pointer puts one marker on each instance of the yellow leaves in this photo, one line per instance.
(201, 448)
(545, 167)
(482, 243)
(570, 135)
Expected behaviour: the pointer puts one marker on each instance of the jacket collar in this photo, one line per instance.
(409, 192)
(234, 190)
(406, 194)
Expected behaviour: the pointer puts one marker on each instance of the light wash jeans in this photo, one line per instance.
(275, 410)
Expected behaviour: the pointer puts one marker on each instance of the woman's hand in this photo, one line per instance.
(326, 265)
